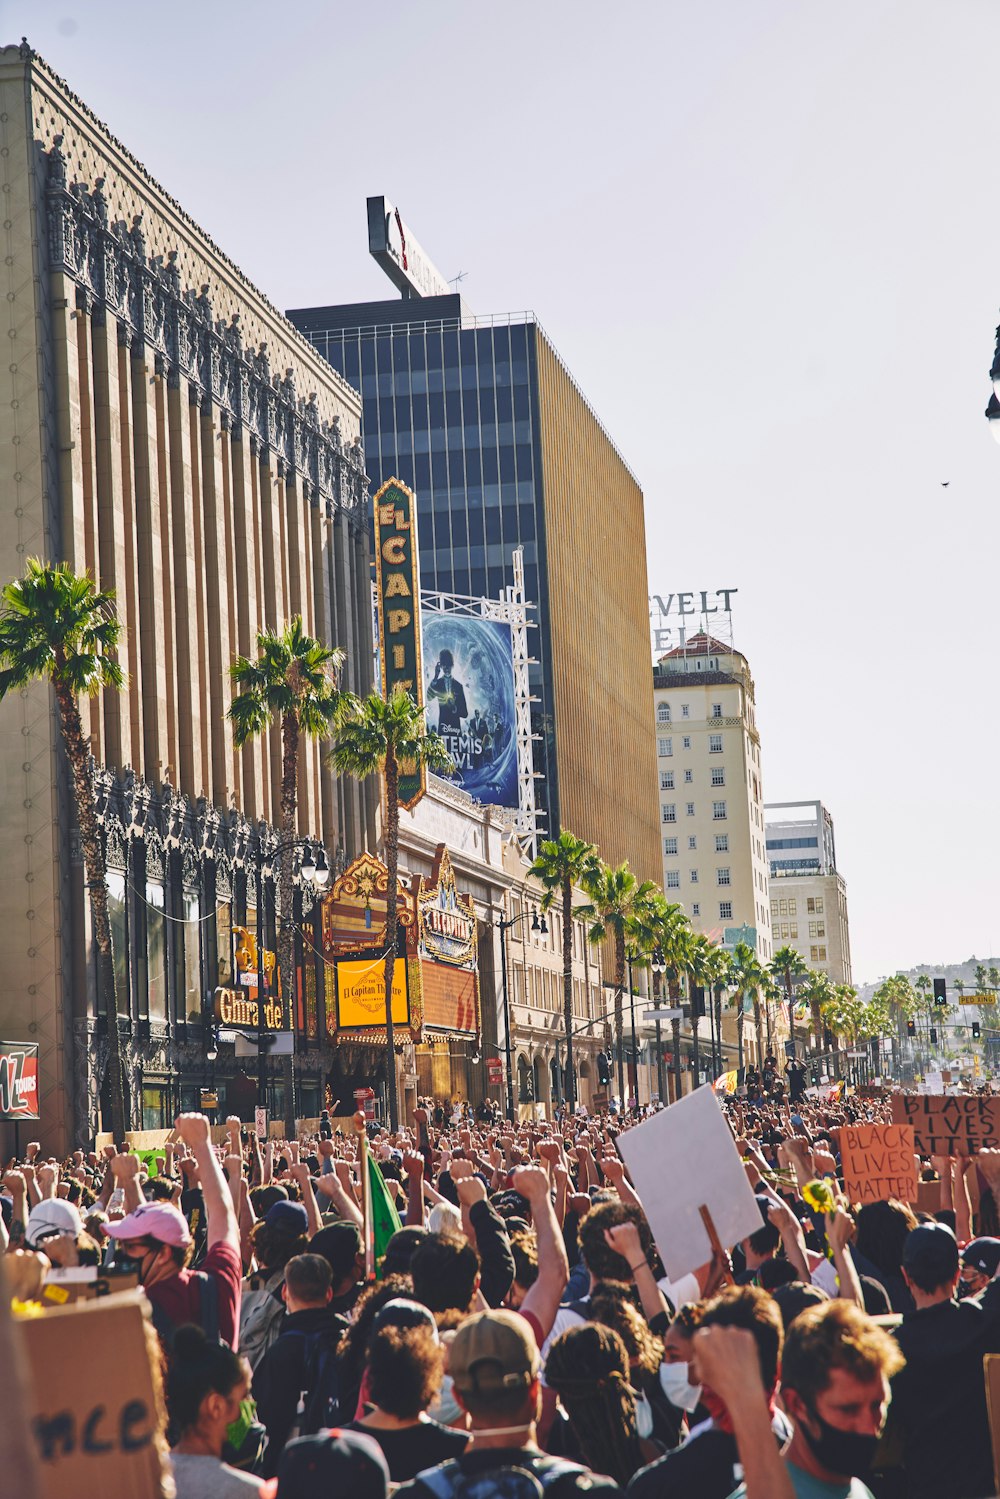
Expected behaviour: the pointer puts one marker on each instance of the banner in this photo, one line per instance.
(727, 1082)
(361, 993)
(469, 691)
(18, 1080)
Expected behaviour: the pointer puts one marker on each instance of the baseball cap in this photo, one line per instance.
(153, 1220)
(982, 1254)
(493, 1353)
(930, 1252)
(287, 1217)
(53, 1216)
(333, 1462)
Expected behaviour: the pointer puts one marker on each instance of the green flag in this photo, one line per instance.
(384, 1219)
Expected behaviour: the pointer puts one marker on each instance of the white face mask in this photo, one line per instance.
(677, 1388)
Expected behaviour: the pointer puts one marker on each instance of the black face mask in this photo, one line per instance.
(129, 1266)
(849, 1453)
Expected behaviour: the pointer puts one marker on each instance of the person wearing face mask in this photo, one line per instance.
(708, 1463)
(980, 1262)
(208, 1389)
(835, 1372)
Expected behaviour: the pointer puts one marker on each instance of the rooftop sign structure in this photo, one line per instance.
(400, 256)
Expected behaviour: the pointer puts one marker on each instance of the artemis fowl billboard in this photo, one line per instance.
(469, 692)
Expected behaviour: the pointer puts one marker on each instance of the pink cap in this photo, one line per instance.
(153, 1220)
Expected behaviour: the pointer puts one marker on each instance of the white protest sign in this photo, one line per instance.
(683, 1159)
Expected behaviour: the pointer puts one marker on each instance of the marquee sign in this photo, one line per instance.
(361, 993)
(397, 586)
(449, 955)
(236, 1008)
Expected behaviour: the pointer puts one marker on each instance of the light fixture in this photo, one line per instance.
(308, 865)
(321, 874)
(536, 925)
(993, 416)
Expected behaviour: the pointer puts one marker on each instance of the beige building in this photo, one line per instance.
(711, 797)
(808, 893)
(165, 428)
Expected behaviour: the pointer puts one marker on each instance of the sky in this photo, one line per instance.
(765, 237)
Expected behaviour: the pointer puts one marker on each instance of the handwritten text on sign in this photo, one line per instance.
(877, 1162)
(946, 1125)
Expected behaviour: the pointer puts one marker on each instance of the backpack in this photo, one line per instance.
(448, 1481)
(319, 1398)
(208, 1313)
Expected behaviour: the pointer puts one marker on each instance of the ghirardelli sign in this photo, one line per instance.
(687, 612)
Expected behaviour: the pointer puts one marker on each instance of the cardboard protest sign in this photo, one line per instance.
(683, 1159)
(877, 1162)
(991, 1371)
(949, 1124)
(96, 1414)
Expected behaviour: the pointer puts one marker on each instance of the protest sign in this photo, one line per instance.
(681, 1160)
(877, 1162)
(991, 1370)
(17, 1453)
(949, 1124)
(103, 1434)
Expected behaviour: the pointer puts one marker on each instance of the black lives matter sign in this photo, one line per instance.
(949, 1126)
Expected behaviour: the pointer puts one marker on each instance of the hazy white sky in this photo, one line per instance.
(765, 236)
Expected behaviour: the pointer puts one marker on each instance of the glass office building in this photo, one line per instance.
(482, 420)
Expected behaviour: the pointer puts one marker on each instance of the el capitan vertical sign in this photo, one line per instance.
(397, 585)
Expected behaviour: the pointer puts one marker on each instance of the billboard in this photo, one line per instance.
(469, 692)
(392, 243)
(18, 1080)
(361, 993)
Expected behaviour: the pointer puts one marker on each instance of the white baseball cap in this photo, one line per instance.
(52, 1216)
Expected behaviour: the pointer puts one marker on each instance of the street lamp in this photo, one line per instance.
(659, 967)
(504, 926)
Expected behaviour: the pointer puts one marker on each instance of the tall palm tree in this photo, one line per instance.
(618, 903)
(745, 976)
(816, 991)
(292, 681)
(786, 965)
(56, 626)
(719, 978)
(673, 936)
(699, 972)
(381, 736)
(563, 863)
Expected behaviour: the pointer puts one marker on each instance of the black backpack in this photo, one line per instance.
(320, 1393)
(510, 1481)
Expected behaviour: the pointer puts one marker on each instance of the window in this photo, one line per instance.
(814, 905)
(692, 841)
(670, 847)
(663, 713)
(817, 928)
(666, 780)
(792, 906)
(673, 879)
(718, 811)
(722, 876)
(725, 910)
(686, 741)
(688, 777)
(718, 775)
(690, 809)
(696, 909)
(716, 710)
(722, 847)
(664, 747)
(817, 954)
(783, 907)
(685, 710)
(694, 876)
(715, 744)
(669, 810)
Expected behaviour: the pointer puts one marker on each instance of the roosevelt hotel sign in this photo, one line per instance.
(674, 617)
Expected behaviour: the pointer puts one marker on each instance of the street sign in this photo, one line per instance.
(494, 1071)
(663, 1015)
(365, 1099)
(260, 1122)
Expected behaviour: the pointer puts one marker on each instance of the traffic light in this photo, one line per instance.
(911, 1027)
(603, 1070)
(940, 992)
(933, 1036)
(975, 1030)
(697, 1002)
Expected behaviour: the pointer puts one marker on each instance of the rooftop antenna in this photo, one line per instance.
(456, 279)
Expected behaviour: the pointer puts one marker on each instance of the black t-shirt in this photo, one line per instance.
(577, 1481)
(413, 1448)
(704, 1466)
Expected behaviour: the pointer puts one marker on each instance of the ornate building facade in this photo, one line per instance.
(164, 427)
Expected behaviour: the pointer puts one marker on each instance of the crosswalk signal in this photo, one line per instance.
(911, 1027)
(940, 992)
(933, 1036)
(975, 1030)
(603, 1070)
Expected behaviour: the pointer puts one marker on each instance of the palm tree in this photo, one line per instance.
(618, 903)
(561, 864)
(381, 736)
(719, 977)
(745, 976)
(293, 681)
(55, 625)
(699, 971)
(672, 934)
(786, 965)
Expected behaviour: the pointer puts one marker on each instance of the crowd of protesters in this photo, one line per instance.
(518, 1334)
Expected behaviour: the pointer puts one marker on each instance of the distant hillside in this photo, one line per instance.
(952, 973)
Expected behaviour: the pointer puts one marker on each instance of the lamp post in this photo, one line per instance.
(504, 926)
(635, 1050)
(659, 968)
(315, 869)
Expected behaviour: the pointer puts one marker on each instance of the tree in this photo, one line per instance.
(56, 626)
(618, 903)
(816, 991)
(671, 932)
(699, 971)
(786, 965)
(745, 976)
(561, 864)
(381, 736)
(292, 681)
(719, 978)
